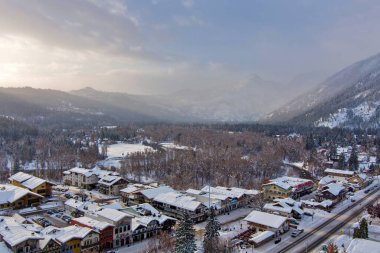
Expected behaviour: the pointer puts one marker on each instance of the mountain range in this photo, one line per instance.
(349, 98)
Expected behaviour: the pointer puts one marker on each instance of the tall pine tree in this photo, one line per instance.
(211, 237)
(364, 228)
(185, 236)
(353, 161)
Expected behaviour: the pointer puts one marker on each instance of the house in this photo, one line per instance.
(232, 197)
(132, 190)
(104, 229)
(333, 191)
(325, 181)
(32, 183)
(111, 185)
(121, 221)
(261, 238)
(148, 221)
(85, 178)
(340, 175)
(287, 187)
(325, 204)
(18, 238)
(360, 181)
(261, 221)
(285, 207)
(176, 204)
(147, 195)
(16, 197)
(73, 238)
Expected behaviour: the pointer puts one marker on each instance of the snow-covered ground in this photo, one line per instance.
(171, 145)
(121, 150)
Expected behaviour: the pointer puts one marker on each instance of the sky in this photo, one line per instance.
(162, 46)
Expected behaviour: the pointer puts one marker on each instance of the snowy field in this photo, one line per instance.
(120, 150)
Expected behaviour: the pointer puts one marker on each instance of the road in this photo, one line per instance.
(311, 239)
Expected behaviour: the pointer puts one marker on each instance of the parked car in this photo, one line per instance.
(50, 212)
(278, 239)
(66, 218)
(353, 199)
(59, 215)
(307, 214)
(367, 191)
(297, 232)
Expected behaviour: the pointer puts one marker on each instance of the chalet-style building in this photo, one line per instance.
(340, 175)
(85, 178)
(175, 204)
(287, 187)
(121, 221)
(18, 238)
(333, 191)
(111, 185)
(360, 181)
(32, 183)
(14, 197)
(104, 229)
(285, 207)
(261, 221)
(132, 190)
(148, 195)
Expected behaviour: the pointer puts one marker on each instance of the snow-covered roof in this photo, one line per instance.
(289, 182)
(26, 180)
(152, 193)
(277, 207)
(73, 203)
(33, 182)
(109, 180)
(342, 172)
(90, 172)
(266, 219)
(232, 192)
(14, 233)
(334, 188)
(11, 193)
(285, 205)
(20, 177)
(94, 224)
(363, 246)
(326, 203)
(66, 234)
(112, 214)
(326, 180)
(179, 200)
(262, 236)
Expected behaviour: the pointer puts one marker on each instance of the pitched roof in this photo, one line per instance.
(266, 219)
(112, 214)
(343, 172)
(11, 193)
(179, 200)
(288, 183)
(95, 224)
(152, 193)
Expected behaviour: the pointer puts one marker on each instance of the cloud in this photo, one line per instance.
(188, 3)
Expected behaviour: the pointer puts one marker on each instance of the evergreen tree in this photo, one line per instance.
(353, 161)
(16, 165)
(185, 236)
(341, 162)
(364, 228)
(357, 233)
(211, 237)
(310, 144)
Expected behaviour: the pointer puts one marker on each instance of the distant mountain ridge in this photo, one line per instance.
(350, 98)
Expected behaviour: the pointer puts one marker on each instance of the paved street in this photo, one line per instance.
(313, 237)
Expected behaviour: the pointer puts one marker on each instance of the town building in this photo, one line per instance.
(16, 237)
(111, 185)
(340, 175)
(32, 183)
(14, 197)
(121, 221)
(131, 191)
(85, 178)
(104, 229)
(261, 221)
(333, 191)
(360, 181)
(286, 207)
(287, 187)
(148, 195)
(176, 204)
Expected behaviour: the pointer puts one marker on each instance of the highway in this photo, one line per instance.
(311, 239)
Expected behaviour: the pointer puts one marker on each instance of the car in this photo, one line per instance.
(307, 214)
(50, 212)
(367, 191)
(68, 195)
(278, 240)
(66, 218)
(353, 199)
(297, 232)
(59, 215)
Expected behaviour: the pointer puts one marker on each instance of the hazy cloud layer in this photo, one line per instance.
(160, 46)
